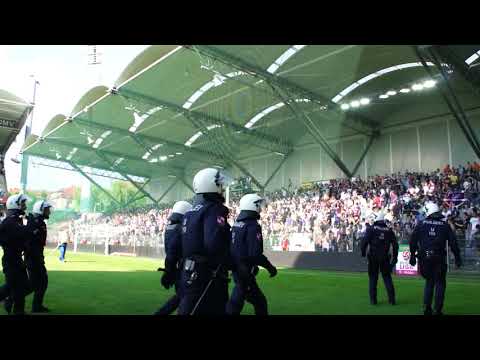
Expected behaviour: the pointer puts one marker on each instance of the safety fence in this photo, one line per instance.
(293, 250)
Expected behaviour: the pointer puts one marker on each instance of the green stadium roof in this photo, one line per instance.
(13, 113)
(176, 109)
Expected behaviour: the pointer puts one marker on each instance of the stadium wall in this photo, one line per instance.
(289, 259)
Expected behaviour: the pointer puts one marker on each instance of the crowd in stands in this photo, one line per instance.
(334, 214)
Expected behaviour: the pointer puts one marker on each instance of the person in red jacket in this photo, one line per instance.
(285, 244)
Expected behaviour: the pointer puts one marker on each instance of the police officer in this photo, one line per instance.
(428, 243)
(205, 247)
(378, 239)
(13, 238)
(247, 254)
(34, 257)
(173, 251)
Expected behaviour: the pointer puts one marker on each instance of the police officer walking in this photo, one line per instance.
(173, 252)
(34, 257)
(205, 247)
(247, 254)
(378, 239)
(13, 238)
(428, 243)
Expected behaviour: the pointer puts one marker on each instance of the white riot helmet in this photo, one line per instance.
(210, 181)
(14, 202)
(40, 206)
(252, 202)
(181, 207)
(379, 216)
(431, 208)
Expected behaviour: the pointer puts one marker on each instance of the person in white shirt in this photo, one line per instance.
(474, 221)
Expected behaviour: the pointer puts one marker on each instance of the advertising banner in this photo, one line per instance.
(403, 267)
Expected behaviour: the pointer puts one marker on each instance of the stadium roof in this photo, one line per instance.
(13, 113)
(175, 109)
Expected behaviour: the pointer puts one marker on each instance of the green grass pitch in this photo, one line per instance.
(91, 284)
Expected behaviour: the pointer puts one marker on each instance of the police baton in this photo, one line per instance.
(206, 289)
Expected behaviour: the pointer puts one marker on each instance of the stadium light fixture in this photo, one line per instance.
(355, 103)
(365, 101)
(163, 158)
(345, 106)
(171, 155)
(179, 153)
(429, 84)
(405, 91)
(384, 96)
(391, 93)
(279, 153)
(417, 87)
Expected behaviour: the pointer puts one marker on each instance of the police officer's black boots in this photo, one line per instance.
(8, 304)
(40, 309)
(438, 311)
(427, 310)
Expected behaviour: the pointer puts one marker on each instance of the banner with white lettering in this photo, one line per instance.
(403, 267)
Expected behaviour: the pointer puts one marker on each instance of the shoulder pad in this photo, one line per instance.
(197, 207)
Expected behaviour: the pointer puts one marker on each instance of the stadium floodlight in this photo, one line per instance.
(417, 87)
(365, 101)
(179, 153)
(391, 93)
(163, 158)
(429, 83)
(345, 106)
(171, 155)
(384, 96)
(405, 91)
(355, 103)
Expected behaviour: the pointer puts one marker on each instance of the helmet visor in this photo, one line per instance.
(261, 204)
(224, 178)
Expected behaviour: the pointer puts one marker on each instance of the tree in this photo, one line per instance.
(122, 191)
(77, 192)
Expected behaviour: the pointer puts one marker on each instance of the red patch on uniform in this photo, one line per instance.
(221, 220)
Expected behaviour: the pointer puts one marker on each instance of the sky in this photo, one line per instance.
(64, 75)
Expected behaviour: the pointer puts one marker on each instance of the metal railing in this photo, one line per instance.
(95, 238)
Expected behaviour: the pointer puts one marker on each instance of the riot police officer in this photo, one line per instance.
(34, 257)
(247, 254)
(378, 239)
(13, 238)
(428, 242)
(173, 252)
(205, 247)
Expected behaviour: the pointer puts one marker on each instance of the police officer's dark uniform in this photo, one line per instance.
(379, 238)
(428, 243)
(35, 260)
(173, 257)
(205, 252)
(247, 254)
(13, 238)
